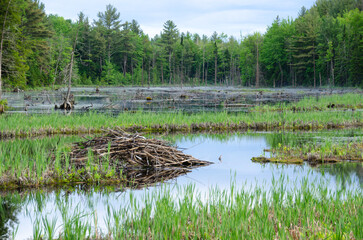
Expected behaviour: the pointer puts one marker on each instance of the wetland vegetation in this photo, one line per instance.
(202, 152)
(282, 116)
(304, 210)
(280, 208)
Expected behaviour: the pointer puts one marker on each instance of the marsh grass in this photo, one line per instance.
(335, 102)
(117, 158)
(315, 151)
(307, 210)
(45, 161)
(36, 125)
(300, 115)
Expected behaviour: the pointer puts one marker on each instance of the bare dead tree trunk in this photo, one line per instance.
(1, 46)
(257, 70)
(125, 63)
(206, 75)
(142, 72)
(295, 80)
(281, 74)
(215, 69)
(153, 68)
(327, 73)
(231, 70)
(132, 72)
(170, 74)
(203, 65)
(67, 104)
(314, 71)
(148, 77)
(332, 71)
(182, 71)
(174, 74)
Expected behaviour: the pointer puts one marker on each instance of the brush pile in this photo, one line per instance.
(130, 151)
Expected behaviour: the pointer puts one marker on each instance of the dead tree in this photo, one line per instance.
(68, 103)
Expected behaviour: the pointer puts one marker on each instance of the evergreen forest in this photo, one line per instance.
(323, 46)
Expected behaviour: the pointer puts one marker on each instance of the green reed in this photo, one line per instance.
(306, 209)
(46, 161)
(18, 125)
(317, 150)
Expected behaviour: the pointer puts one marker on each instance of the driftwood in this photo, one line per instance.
(131, 151)
(68, 103)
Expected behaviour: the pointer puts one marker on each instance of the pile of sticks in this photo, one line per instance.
(125, 151)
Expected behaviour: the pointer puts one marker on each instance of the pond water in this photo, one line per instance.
(156, 99)
(231, 155)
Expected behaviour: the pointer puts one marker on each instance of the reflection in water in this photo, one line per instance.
(155, 99)
(231, 154)
(10, 206)
(344, 173)
(141, 178)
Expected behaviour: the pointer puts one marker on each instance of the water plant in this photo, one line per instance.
(289, 209)
(114, 158)
(321, 150)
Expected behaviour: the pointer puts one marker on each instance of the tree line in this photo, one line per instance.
(323, 46)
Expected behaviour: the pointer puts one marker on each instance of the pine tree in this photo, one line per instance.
(169, 37)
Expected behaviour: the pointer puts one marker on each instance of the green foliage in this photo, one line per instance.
(290, 209)
(111, 76)
(321, 47)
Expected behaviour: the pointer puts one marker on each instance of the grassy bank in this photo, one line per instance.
(280, 116)
(35, 125)
(122, 159)
(349, 101)
(323, 149)
(307, 211)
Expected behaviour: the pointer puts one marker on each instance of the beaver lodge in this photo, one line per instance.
(132, 153)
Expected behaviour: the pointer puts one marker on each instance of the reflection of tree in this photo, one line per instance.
(10, 206)
(343, 172)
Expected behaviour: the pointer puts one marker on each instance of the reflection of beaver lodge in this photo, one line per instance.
(140, 178)
(135, 155)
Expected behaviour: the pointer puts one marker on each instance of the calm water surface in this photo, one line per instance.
(156, 99)
(231, 155)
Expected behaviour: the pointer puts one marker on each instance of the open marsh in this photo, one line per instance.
(45, 195)
(162, 99)
(231, 154)
(311, 113)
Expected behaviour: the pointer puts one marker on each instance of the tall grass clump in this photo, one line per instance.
(36, 125)
(307, 209)
(352, 100)
(292, 149)
(30, 161)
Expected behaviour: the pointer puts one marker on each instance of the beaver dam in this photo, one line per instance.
(125, 151)
(140, 160)
(116, 157)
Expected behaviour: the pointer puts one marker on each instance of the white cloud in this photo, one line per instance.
(196, 16)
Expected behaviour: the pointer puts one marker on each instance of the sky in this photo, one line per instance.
(233, 17)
